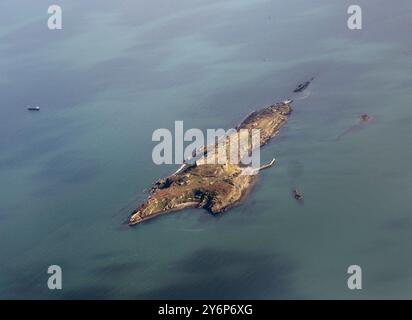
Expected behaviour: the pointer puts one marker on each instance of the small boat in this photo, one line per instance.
(36, 108)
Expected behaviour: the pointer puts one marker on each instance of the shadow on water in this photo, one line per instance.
(28, 282)
(89, 293)
(123, 214)
(398, 224)
(355, 128)
(62, 171)
(217, 276)
(3, 215)
(118, 269)
(69, 168)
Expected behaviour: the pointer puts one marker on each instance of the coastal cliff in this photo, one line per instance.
(214, 187)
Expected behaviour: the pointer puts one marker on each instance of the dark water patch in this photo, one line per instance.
(29, 38)
(25, 282)
(398, 224)
(89, 293)
(125, 211)
(139, 72)
(104, 256)
(69, 168)
(130, 15)
(377, 246)
(175, 28)
(405, 121)
(262, 276)
(33, 149)
(210, 260)
(3, 215)
(118, 269)
(24, 286)
(203, 216)
(388, 276)
(35, 35)
(51, 85)
(295, 169)
(356, 128)
(122, 225)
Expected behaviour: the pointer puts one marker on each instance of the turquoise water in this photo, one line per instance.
(71, 174)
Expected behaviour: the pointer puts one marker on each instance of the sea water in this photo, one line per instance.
(71, 174)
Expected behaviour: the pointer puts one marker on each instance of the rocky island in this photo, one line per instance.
(214, 187)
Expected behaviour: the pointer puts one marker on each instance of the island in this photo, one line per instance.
(215, 187)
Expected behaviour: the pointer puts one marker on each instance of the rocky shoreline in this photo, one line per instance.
(214, 187)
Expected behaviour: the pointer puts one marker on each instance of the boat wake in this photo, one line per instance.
(306, 94)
